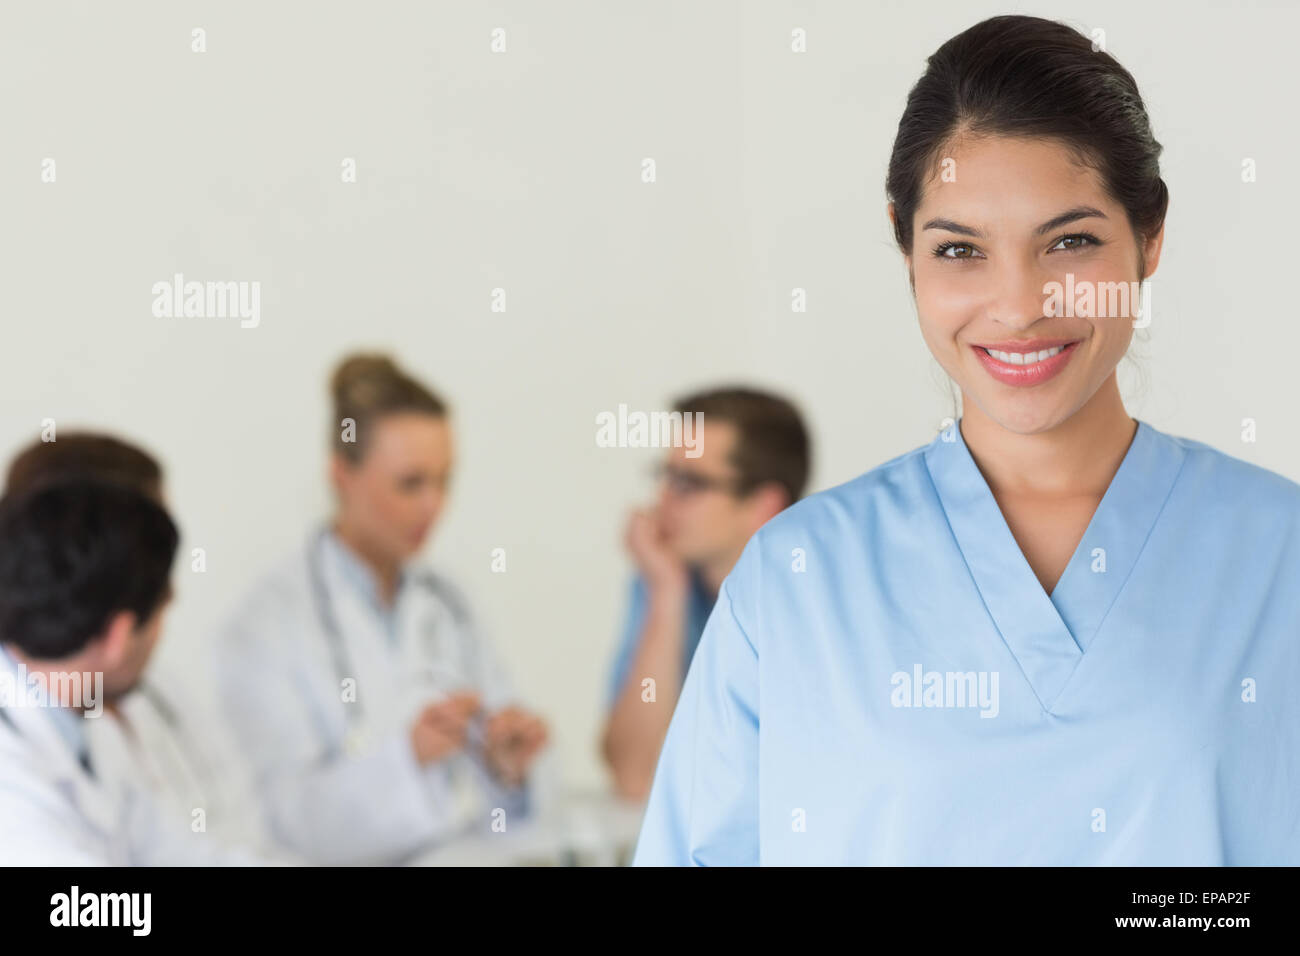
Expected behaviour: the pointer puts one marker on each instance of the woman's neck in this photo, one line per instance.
(1077, 457)
(387, 572)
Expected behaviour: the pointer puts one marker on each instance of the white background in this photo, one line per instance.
(522, 171)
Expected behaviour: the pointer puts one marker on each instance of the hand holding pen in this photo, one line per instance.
(444, 727)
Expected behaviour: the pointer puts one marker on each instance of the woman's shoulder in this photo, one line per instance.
(278, 591)
(1230, 481)
(895, 486)
(902, 485)
(876, 510)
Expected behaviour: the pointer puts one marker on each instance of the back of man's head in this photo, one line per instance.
(73, 553)
(85, 455)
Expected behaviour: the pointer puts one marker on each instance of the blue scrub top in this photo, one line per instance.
(885, 681)
(698, 605)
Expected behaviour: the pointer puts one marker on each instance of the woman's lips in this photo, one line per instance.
(1025, 364)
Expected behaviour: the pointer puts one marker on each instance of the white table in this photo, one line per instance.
(583, 829)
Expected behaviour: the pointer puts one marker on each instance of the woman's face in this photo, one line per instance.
(999, 221)
(393, 496)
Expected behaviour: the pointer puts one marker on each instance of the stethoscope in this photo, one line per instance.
(185, 757)
(190, 763)
(355, 739)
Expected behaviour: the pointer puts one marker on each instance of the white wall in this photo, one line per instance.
(522, 171)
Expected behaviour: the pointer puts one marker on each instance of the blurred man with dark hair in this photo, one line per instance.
(85, 572)
(148, 737)
(751, 462)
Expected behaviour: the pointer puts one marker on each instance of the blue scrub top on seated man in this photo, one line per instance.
(699, 603)
(744, 457)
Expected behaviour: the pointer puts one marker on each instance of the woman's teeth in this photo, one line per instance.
(1024, 358)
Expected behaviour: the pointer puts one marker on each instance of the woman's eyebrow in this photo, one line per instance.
(1072, 215)
(1078, 212)
(947, 225)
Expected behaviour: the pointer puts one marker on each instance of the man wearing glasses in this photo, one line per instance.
(752, 462)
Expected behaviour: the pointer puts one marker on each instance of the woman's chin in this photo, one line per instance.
(1023, 414)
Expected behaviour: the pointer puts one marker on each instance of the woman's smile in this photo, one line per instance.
(1028, 363)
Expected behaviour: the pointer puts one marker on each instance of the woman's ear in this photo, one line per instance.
(893, 228)
(1151, 251)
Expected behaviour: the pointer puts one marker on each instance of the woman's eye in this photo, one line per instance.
(955, 250)
(1071, 243)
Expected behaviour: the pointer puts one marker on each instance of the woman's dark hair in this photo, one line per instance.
(367, 387)
(1025, 76)
(75, 552)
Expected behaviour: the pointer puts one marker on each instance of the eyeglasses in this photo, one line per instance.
(684, 482)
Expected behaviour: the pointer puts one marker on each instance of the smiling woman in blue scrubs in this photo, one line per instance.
(1054, 634)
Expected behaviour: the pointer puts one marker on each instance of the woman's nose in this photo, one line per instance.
(1019, 295)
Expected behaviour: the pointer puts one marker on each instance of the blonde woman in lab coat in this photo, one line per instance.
(375, 719)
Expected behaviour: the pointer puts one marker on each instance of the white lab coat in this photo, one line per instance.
(54, 813)
(338, 792)
(162, 750)
(153, 748)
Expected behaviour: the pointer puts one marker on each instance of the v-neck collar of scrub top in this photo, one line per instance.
(1049, 635)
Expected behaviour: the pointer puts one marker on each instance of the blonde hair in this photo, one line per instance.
(365, 387)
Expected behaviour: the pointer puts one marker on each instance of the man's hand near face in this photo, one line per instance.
(662, 569)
